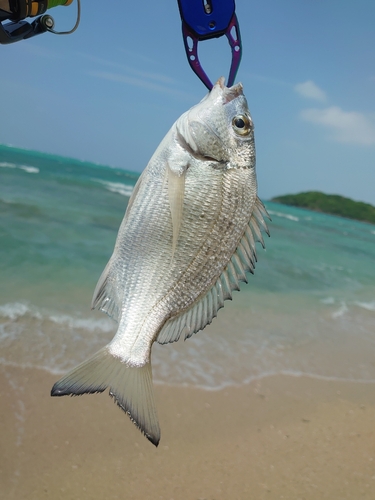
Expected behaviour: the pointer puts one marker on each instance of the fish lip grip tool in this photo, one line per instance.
(205, 19)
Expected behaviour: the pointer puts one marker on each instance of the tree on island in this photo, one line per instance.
(330, 204)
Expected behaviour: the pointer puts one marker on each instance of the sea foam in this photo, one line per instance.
(284, 215)
(369, 306)
(117, 187)
(27, 168)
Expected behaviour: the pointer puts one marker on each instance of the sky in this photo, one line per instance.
(110, 92)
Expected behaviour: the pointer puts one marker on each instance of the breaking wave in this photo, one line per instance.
(117, 187)
(27, 168)
(285, 216)
(33, 337)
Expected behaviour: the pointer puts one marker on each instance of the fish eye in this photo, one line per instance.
(241, 125)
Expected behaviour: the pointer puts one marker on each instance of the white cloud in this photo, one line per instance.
(310, 90)
(130, 80)
(139, 82)
(346, 126)
(129, 70)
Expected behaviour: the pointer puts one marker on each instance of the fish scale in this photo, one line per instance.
(186, 241)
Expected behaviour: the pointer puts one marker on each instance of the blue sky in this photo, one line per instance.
(109, 92)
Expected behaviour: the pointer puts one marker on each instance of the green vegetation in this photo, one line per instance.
(330, 204)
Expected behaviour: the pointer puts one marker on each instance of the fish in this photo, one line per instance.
(186, 242)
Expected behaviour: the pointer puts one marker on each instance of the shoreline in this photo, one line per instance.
(56, 374)
(278, 437)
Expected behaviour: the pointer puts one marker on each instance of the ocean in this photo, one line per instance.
(309, 309)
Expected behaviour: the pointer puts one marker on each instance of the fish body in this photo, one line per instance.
(186, 240)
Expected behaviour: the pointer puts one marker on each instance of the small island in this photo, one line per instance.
(330, 204)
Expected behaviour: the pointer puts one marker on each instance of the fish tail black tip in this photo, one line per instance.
(55, 391)
(59, 391)
(154, 441)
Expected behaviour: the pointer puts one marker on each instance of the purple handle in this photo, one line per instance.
(191, 48)
(234, 38)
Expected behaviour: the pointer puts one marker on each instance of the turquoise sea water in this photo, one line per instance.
(309, 309)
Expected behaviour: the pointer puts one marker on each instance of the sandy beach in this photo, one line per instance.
(278, 438)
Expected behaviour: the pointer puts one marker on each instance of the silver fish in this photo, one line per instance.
(186, 241)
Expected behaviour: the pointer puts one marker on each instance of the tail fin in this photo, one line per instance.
(131, 388)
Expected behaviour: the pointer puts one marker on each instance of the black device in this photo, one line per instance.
(13, 13)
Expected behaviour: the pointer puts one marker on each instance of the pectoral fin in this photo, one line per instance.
(176, 191)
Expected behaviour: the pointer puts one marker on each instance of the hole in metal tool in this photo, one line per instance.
(233, 33)
(207, 5)
(190, 42)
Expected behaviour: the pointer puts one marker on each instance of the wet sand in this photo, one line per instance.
(279, 438)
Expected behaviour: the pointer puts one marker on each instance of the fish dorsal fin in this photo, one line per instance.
(106, 296)
(243, 260)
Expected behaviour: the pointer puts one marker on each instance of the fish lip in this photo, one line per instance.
(229, 93)
(221, 82)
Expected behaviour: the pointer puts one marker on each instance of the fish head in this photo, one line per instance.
(220, 128)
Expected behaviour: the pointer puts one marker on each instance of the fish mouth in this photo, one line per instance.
(229, 93)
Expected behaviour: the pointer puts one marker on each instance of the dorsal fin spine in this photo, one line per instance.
(232, 276)
(220, 296)
(256, 231)
(210, 306)
(178, 326)
(215, 301)
(258, 215)
(193, 319)
(248, 251)
(245, 259)
(250, 238)
(262, 209)
(204, 314)
(227, 291)
(238, 267)
(199, 315)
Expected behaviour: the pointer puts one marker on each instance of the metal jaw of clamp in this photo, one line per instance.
(205, 19)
